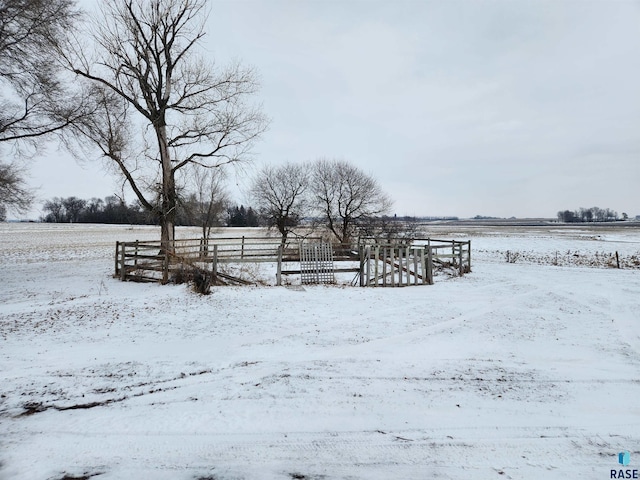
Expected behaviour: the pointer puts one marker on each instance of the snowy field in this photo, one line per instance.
(523, 370)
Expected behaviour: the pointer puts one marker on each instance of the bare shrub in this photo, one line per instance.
(201, 281)
(199, 278)
(512, 257)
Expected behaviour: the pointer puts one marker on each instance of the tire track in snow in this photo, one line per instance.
(447, 450)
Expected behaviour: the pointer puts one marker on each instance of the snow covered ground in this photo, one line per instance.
(524, 370)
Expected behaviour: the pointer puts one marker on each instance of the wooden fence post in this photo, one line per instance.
(361, 253)
(367, 257)
(469, 256)
(165, 267)
(117, 271)
(279, 271)
(453, 252)
(376, 256)
(123, 270)
(242, 248)
(460, 264)
(429, 265)
(392, 255)
(215, 262)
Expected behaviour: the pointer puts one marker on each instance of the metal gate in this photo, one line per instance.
(316, 263)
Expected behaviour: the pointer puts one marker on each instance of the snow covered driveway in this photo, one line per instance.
(516, 371)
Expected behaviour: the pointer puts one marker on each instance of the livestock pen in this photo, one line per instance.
(388, 263)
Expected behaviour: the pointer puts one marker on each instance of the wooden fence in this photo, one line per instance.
(402, 263)
(148, 261)
(385, 264)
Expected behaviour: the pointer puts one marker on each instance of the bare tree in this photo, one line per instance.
(598, 214)
(346, 195)
(206, 203)
(161, 106)
(73, 207)
(56, 210)
(280, 193)
(14, 192)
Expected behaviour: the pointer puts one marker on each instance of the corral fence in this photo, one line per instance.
(147, 261)
(386, 263)
(400, 263)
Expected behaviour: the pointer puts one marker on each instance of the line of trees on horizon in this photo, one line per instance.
(593, 214)
(113, 210)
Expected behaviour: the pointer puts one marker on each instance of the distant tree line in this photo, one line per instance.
(238, 216)
(593, 214)
(110, 210)
(113, 210)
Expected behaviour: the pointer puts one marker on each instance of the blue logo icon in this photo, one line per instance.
(624, 458)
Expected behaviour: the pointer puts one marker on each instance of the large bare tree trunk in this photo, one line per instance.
(168, 194)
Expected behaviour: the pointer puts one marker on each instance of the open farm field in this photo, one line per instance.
(526, 368)
(593, 245)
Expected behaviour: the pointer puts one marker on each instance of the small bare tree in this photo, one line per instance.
(14, 192)
(280, 193)
(346, 195)
(161, 107)
(206, 200)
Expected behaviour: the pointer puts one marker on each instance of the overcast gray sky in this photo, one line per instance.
(503, 108)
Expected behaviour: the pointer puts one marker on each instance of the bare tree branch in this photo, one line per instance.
(35, 100)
